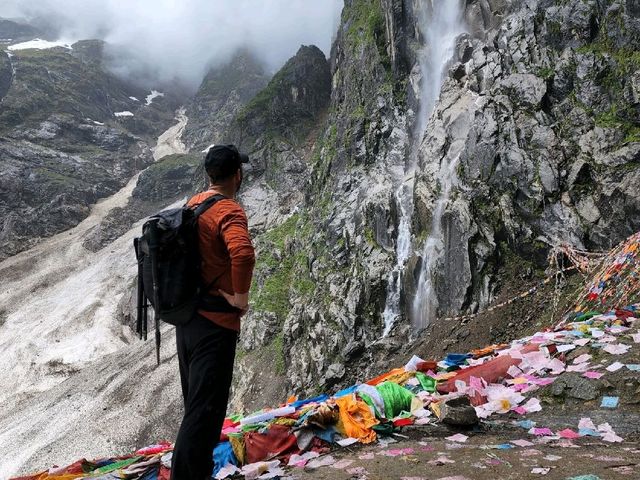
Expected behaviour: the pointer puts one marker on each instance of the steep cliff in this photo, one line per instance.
(318, 285)
(224, 91)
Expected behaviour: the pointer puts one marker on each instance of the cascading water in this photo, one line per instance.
(440, 23)
(447, 17)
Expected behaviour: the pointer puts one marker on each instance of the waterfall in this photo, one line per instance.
(440, 22)
(425, 303)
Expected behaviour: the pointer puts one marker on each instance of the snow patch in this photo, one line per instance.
(154, 94)
(126, 113)
(40, 44)
(134, 99)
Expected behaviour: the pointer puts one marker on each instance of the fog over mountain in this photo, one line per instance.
(178, 40)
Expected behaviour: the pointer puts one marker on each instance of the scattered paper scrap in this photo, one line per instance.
(565, 348)
(347, 441)
(541, 470)
(609, 402)
(357, 471)
(617, 348)
(614, 367)
(342, 464)
(458, 437)
(585, 357)
(522, 443)
(321, 462)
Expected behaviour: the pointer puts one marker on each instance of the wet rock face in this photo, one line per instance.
(551, 142)
(45, 190)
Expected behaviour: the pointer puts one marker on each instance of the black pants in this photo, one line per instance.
(205, 353)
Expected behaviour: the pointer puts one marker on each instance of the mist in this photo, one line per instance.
(179, 40)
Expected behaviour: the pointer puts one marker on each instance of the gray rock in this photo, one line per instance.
(458, 412)
(335, 373)
(525, 89)
(574, 385)
(635, 86)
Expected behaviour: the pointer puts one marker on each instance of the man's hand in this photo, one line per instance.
(238, 300)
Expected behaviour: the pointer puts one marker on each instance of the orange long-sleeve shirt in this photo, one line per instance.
(226, 251)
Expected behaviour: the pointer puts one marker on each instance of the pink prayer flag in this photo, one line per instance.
(520, 410)
(477, 384)
(544, 381)
(581, 367)
(586, 422)
(513, 371)
(593, 375)
(568, 433)
(581, 342)
(556, 366)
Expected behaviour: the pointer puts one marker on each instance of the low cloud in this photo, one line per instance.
(181, 39)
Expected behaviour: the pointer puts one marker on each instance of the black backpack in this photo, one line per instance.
(169, 269)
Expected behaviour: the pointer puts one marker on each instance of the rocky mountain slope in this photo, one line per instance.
(70, 134)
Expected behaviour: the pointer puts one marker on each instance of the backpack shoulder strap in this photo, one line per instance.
(207, 204)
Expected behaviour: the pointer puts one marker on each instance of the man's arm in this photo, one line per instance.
(234, 230)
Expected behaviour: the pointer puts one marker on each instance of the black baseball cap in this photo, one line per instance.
(224, 160)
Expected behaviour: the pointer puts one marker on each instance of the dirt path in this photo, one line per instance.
(425, 457)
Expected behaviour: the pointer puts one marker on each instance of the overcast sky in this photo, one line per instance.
(183, 37)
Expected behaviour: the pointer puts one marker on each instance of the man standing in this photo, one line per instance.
(206, 345)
